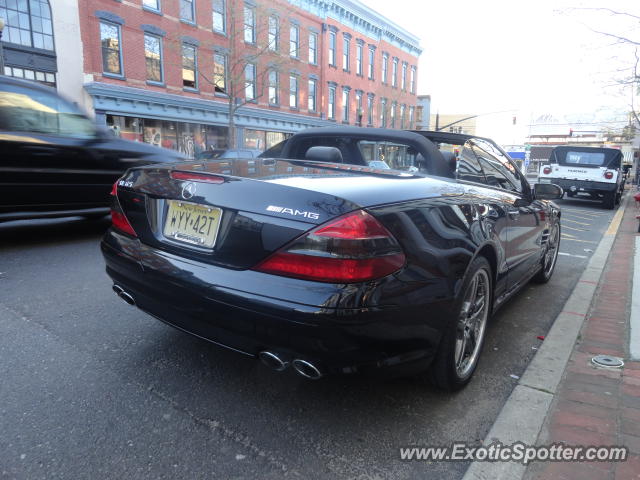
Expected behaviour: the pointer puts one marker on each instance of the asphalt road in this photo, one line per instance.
(93, 388)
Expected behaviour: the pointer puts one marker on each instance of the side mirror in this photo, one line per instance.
(547, 191)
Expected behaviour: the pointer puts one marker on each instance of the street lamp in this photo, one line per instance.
(1, 52)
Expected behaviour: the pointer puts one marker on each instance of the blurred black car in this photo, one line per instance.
(226, 154)
(327, 266)
(54, 161)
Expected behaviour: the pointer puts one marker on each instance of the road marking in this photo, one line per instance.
(634, 337)
(574, 228)
(576, 240)
(573, 221)
(568, 235)
(588, 212)
(615, 223)
(572, 255)
(573, 215)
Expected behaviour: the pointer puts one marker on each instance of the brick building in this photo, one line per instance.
(162, 71)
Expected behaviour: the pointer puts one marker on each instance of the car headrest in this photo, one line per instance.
(450, 159)
(324, 154)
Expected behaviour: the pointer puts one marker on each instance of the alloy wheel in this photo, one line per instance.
(472, 323)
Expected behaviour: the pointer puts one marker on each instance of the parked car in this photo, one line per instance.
(330, 267)
(220, 153)
(593, 173)
(55, 161)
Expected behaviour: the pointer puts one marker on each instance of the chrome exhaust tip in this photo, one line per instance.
(117, 289)
(273, 360)
(307, 369)
(127, 298)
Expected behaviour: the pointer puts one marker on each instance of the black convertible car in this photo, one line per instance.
(332, 267)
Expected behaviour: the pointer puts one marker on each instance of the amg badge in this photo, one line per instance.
(293, 211)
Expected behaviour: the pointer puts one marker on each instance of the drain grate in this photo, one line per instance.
(607, 361)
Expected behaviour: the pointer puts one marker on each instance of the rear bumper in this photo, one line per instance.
(246, 311)
(569, 185)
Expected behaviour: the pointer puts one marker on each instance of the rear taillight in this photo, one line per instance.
(118, 219)
(197, 177)
(546, 170)
(352, 248)
(608, 175)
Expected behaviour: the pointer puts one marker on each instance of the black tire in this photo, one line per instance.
(546, 270)
(609, 200)
(449, 371)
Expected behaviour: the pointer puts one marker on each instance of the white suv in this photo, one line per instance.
(588, 172)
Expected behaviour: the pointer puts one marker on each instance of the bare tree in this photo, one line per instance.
(628, 76)
(251, 64)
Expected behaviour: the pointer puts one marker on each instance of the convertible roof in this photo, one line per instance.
(438, 165)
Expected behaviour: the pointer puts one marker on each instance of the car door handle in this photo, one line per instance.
(514, 212)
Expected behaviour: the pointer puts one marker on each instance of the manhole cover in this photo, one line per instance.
(607, 361)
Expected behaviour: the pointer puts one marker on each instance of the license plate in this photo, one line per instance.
(192, 224)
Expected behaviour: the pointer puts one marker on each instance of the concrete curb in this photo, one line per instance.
(523, 415)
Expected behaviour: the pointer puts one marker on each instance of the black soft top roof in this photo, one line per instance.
(612, 156)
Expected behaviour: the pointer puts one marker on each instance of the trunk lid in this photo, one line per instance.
(255, 206)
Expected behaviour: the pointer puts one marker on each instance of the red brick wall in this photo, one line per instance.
(134, 65)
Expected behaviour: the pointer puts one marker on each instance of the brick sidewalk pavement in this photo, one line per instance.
(596, 406)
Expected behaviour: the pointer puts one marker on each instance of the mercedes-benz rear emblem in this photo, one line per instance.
(188, 190)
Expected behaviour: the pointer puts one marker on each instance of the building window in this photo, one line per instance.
(359, 112)
(403, 81)
(274, 87)
(370, 110)
(383, 112)
(345, 106)
(402, 115)
(312, 95)
(393, 115)
(394, 72)
(249, 24)
(359, 49)
(294, 41)
(189, 67)
(412, 80)
(220, 72)
(332, 48)
(346, 46)
(250, 82)
(411, 117)
(153, 57)
(313, 48)
(151, 4)
(293, 91)
(274, 33)
(187, 12)
(111, 48)
(331, 103)
(371, 62)
(385, 66)
(219, 16)
(28, 23)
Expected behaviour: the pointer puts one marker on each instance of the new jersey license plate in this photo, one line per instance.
(192, 224)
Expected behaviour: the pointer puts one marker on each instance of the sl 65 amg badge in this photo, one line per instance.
(293, 211)
(125, 183)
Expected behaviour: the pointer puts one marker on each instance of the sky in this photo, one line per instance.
(527, 58)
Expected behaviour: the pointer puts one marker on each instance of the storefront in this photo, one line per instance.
(188, 124)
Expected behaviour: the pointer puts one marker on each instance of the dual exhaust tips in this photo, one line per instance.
(273, 360)
(279, 362)
(123, 295)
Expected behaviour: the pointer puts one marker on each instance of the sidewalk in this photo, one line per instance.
(600, 406)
